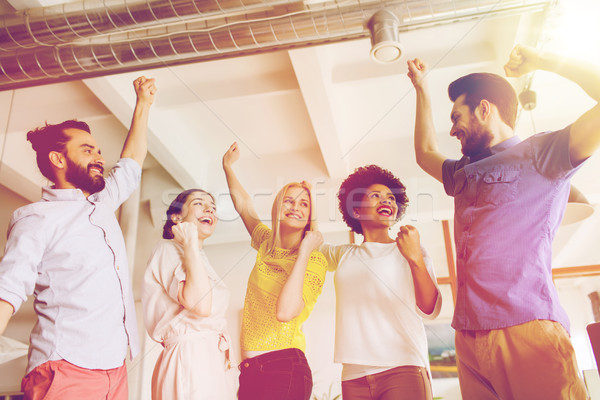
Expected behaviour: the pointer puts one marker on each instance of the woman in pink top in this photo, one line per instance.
(184, 304)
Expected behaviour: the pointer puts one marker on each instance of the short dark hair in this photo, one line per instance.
(493, 88)
(353, 188)
(52, 138)
(176, 207)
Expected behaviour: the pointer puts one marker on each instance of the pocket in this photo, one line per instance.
(40, 382)
(55, 382)
(499, 186)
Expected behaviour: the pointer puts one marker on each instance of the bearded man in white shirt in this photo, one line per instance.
(68, 251)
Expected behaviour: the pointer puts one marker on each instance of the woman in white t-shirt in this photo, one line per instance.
(384, 287)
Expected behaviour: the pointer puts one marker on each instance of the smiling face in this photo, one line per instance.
(199, 209)
(295, 210)
(471, 133)
(378, 207)
(84, 162)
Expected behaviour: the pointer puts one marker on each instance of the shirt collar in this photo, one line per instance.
(52, 194)
(490, 151)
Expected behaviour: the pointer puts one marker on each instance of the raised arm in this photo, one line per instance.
(426, 148)
(136, 143)
(584, 137)
(241, 199)
(409, 244)
(6, 311)
(195, 293)
(290, 303)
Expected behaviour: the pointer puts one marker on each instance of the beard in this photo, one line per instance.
(81, 178)
(477, 139)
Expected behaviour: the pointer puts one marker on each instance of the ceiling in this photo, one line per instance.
(300, 113)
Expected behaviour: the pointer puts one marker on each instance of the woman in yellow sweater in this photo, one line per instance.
(283, 288)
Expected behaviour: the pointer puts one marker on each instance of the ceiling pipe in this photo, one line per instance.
(63, 23)
(193, 41)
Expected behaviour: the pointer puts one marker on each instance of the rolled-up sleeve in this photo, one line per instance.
(22, 257)
(121, 182)
(448, 169)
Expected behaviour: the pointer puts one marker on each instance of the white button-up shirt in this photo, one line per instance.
(69, 251)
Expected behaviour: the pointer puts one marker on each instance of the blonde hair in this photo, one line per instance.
(311, 225)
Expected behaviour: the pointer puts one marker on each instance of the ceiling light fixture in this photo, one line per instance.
(385, 46)
(528, 99)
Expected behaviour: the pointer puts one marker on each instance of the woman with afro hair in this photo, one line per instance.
(384, 287)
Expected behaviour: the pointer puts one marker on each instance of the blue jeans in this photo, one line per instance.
(277, 375)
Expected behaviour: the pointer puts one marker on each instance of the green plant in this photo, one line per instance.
(327, 395)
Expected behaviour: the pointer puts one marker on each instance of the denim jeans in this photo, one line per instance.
(277, 375)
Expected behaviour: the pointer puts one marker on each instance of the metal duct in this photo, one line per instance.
(67, 22)
(231, 34)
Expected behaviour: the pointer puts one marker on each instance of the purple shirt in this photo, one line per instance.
(69, 251)
(508, 204)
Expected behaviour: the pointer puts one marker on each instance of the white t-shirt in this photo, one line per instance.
(378, 323)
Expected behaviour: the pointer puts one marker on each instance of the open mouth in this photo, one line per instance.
(96, 169)
(293, 216)
(385, 211)
(206, 220)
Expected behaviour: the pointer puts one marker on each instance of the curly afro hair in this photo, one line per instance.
(353, 189)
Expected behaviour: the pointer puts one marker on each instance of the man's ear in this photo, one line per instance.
(57, 159)
(484, 109)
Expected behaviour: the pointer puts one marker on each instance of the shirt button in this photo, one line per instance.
(246, 365)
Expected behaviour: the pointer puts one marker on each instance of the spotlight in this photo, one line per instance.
(385, 46)
(528, 99)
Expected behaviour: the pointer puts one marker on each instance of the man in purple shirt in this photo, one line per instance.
(512, 334)
(68, 250)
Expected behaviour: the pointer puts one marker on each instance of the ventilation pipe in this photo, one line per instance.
(67, 22)
(40, 52)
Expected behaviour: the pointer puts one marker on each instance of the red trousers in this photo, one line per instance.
(63, 380)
